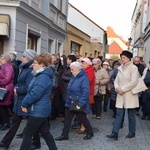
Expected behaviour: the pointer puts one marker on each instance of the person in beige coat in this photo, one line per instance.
(102, 78)
(126, 80)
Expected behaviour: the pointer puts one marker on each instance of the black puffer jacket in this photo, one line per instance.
(112, 79)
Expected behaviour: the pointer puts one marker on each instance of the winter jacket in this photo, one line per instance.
(79, 89)
(37, 100)
(65, 78)
(112, 79)
(6, 81)
(24, 78)
(103, 78)
(127, 79)
(146, 93)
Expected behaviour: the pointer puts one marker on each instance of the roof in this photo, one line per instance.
(111, 33)
(114, 48)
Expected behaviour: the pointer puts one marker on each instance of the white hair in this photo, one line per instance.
(76, 64)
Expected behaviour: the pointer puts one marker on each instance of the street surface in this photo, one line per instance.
(99, 141)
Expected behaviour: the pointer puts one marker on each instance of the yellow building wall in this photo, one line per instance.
(86, 48)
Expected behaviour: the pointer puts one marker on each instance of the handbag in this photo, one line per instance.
(73, 107)
(139, 87)
(3, 93)
(98, 94)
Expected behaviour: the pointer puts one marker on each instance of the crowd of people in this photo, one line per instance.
(41, 87)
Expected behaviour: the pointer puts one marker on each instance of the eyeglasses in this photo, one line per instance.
(35, 62)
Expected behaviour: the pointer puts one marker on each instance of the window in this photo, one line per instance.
(75, 48)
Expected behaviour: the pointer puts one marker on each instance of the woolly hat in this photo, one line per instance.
(29, 54)
(105, 63)
(7, 57)
(96, 61)
(87, 60)
(127, 54)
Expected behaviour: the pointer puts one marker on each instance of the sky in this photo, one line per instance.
(114, 13)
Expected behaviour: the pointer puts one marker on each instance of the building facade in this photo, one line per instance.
(84, 37)
(36, 24)
(140, 31)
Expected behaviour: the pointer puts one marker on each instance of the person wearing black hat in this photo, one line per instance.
(126, 79)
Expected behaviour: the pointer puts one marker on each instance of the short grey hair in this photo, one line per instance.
(76, 64)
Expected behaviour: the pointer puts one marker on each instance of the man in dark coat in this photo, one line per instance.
(141, 67)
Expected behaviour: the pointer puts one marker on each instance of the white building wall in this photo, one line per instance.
(9, 45)
(82, 23)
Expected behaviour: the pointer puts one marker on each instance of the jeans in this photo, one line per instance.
(33, 125)
(7, 139)
(119, 117)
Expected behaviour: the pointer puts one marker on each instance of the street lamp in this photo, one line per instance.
(130, 39)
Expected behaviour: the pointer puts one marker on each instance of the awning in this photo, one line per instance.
(4, 24)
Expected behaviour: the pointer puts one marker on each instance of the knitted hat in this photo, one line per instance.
(87, 60)
(29, 54)
(105, 63)
(127, 54)
(96, 61)
(7, 57)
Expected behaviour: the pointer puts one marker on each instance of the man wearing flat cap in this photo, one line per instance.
(126, 80)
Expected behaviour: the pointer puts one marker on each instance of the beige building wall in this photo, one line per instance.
(79, 43)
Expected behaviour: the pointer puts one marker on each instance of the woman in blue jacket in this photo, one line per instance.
(78, 89)
(37, 104)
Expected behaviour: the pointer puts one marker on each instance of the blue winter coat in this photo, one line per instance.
(24, 78)
(79, 89)
(37, 99)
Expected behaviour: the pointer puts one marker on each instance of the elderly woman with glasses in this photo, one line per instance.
(37, 103)
(78, 89)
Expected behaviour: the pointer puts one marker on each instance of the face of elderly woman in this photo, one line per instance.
(74, 70)
(124, 59)
(2, 60)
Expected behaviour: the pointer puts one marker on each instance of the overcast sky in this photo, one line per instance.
(114, 13)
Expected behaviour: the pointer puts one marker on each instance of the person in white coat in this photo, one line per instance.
(126, 80)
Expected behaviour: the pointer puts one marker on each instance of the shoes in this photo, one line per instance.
(52, 118)
(34, 147)
(94, 116)
(143, 117)
(19, 135)
(5, 126)
(105, 110)
(98, 117)
(81, 131)
(88, 136)
(75, 126)
(137, 113)
(113, 135)
(130, 135)
(3, 146)
(61, 138)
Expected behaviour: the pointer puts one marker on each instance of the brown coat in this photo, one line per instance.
(102, 76)
(126, 79)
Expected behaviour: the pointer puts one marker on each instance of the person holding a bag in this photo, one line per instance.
(102, 79)
(126, 79)
(78, 90)
(6, 81)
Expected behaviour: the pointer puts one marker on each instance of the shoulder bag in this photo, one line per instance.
(73, 107)
(98, 94)
(139, 87)
(3, 93)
